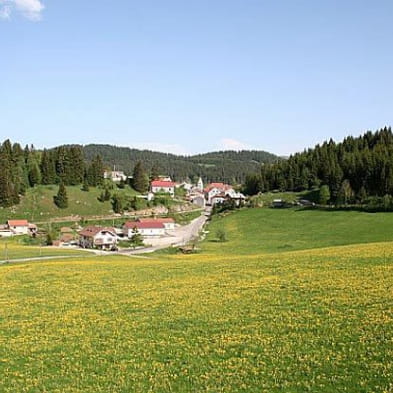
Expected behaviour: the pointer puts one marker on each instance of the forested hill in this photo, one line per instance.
(352, 170)
(217, 166)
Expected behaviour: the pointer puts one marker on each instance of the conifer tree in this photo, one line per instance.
(61, 199)
(140, 180)
(117, 204)
(85, 186)
(95, 173)
(324, 195)
(34, 175)
(47, 167)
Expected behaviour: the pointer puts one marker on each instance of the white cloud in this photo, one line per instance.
(30, 9)
(233, 144)
(162, 147)
(5, 11)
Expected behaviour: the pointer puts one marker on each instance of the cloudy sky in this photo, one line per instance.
(194, 76)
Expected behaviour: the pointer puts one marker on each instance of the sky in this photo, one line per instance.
(194, 76)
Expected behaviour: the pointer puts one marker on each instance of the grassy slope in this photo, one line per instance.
(38, 204)
(15, 248)
(272, 230)
(269, 323)
(222, 321)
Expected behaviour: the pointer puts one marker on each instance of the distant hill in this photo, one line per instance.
(222, 165)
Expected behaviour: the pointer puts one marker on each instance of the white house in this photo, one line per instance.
(169, 223)
(21, 227)
(219, 198)
(98, 237)
(238, 197)
(214, 189)
(187, 186)
(150, 228)
(157, 186)
(116, 176)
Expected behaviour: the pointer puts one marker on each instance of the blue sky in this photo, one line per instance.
(194, 76)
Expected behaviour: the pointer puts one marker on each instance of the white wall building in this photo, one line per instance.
(169, 223)
(19, 227)
(98, 237)
(116, 176)
(150, 228)
(157, 186)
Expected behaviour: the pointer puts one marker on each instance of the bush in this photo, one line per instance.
(221, 235)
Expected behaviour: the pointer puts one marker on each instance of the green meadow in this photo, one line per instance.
(38, 206)
(252, 231)
(247, 315)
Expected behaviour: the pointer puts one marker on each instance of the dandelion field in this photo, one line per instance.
(317, 320)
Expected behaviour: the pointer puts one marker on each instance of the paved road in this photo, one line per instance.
(178, 237)
(46, 258)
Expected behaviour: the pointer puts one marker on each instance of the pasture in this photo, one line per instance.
(317, 320)
(252, 231)
(38, 206)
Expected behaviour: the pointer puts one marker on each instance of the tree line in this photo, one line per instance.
(228, 166)
(347, 172)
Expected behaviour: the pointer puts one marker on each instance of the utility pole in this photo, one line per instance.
(6, 251)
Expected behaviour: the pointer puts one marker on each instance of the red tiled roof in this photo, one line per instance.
(220, 186)
(91, 231)
(144, 225)
(18, 223)
(162, 183)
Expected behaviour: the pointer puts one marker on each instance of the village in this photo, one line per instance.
(141, 233)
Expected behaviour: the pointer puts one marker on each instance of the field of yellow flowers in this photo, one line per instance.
(302, 321)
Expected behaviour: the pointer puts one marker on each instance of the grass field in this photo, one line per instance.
(252, 231)
(14, 248)
(312, 320)
(37, 204)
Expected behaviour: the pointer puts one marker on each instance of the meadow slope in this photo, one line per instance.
(252, 231)
(37, 204)
(312, 320)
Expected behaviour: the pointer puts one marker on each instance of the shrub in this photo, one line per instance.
(221, 235)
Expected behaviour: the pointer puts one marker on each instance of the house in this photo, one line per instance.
(67, 238)
(147, 228)
(219, 198)
(238, 197)
(98, 237)
(169, 223)
(187, 186)
(219, 192)
(21, 227)
(164, 186)
(115, 176)
(214, 189)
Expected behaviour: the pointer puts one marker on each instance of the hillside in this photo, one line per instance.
(265, 230)
(223, 165)
(226, 320)
(37, 205)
